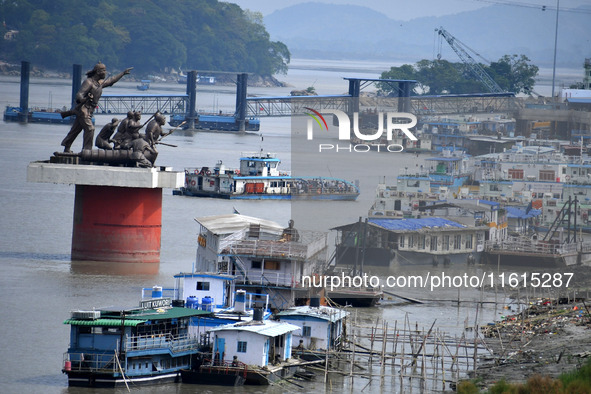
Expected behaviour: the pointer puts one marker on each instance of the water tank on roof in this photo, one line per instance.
(192, 302)
(157, 292)
(206, 303)
(257, 314)
(240, 301)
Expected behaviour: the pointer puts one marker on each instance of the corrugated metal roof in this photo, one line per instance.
(519, 213)
(135, 319)
(415, 224)
(322, 312)
(229, 224)
(104, 322)
(266, 328)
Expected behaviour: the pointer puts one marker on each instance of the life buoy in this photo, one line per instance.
(237, 172)
(196, 172)
(193, 183)
(567, 177)
(207, 172)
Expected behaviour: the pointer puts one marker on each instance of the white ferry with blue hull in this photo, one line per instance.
(259, 178)
(118, 346)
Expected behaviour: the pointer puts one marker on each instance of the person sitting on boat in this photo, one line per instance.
(132, 131)
(154, 128)
(122, 130)
(143, 153)
(235, 362)
(103, 139)
(290, 233)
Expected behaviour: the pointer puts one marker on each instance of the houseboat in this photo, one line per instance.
(261, 256)
(115, 347)
(259, 178)
(259, 350)
(322, 328)
(416, 241)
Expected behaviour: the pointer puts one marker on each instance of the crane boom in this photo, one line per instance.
(482, 75)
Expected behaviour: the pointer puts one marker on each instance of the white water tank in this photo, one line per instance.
(240, 301)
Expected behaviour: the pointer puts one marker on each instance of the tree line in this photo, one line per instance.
(513, 73)
(150, 35)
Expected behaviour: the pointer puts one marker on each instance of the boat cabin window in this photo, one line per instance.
(457, 241)
(85, 329)
(306, 331)
(241, 348)
(422, 242)
(446, 242)
(493, 187)
(258, 264)
(469, 242)
(412, 183)
(547, 175)
(434, 242)
(272, 265)
(252, 164)
(515, 173)
(401, 241)
(202, 286)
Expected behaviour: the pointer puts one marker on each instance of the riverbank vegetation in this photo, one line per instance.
(578, 381)
(512, 73)
(152, 36)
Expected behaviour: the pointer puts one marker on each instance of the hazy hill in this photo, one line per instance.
(354, 32)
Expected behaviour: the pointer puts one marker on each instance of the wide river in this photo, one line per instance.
(40, 284)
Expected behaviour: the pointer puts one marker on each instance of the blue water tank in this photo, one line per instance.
(192, 302)
(206, 303)
(157, 292)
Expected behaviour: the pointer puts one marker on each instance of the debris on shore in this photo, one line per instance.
(548, 338)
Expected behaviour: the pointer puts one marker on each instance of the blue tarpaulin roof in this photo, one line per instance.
(415, 224)
(519, 213)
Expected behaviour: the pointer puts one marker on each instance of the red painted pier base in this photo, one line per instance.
(121, 224)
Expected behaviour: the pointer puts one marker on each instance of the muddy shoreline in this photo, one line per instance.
(552, 335)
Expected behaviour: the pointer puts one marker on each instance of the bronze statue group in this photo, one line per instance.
(127, 137)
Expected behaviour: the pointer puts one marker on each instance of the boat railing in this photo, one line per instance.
(260, 155)
(267, 279)
(278, 249)
(161, 341)
(224, 367)
(526, 245)
(91, 362)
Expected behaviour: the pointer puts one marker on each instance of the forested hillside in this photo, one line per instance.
(149, 35)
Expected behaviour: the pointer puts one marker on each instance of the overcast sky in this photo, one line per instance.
(409, 9)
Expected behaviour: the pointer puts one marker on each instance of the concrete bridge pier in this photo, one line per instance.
(117, 210)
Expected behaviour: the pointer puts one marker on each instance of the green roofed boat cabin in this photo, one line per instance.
(148, 344)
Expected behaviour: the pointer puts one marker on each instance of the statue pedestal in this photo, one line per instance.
(117, 210)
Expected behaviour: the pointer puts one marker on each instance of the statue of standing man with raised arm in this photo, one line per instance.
(87, 99)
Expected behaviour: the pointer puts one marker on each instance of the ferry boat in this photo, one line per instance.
(259, 178)
(36, 115)
(116, 347)
(144, 85)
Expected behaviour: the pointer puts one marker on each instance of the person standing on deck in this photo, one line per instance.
(87, 99)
